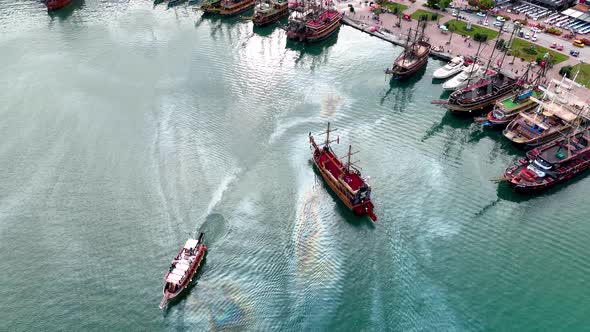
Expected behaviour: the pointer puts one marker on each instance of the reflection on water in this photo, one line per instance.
(267, 30)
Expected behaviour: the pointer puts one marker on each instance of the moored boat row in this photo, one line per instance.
(552, 163)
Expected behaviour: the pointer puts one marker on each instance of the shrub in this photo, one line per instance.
(434, 17)
(530, 50)
(480, 37)
(554, 31)
(566, 71)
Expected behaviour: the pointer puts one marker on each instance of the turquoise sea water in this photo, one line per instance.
(128, 128)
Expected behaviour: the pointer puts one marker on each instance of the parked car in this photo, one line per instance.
(500, 19)
(560, 47)
(574, 53)
(553, 45)
(527, 36)
(578, 43)
(534, 38)
(480, 14)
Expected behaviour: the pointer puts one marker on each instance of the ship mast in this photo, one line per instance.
(473, 65)
(510, 41)
(348, 162)
(328, 131)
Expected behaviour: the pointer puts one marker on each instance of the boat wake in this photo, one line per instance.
(283, 127)
(221, 189)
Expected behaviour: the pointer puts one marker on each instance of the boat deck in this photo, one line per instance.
(565, 149)
(337, 170)
(417, 52)
(326, 15)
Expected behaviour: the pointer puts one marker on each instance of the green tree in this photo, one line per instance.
(395, 10)
(423, 17)
(431, 3)
(444, 3)
(500, 44)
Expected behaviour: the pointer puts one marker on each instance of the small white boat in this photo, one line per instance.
(471, 73)
(452, 68)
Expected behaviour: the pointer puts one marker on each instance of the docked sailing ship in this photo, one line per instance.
(227, 7)
(505, 110)
(210, 6)
(547, 122)
(551, 163)
(482, 94)
(183, 268)
(268, 11)
(313, 21)
(343, 177)
(415, 54)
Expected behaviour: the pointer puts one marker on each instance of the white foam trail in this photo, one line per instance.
(283, 127)
(218, 194)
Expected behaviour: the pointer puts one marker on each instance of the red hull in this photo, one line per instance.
(56, 4)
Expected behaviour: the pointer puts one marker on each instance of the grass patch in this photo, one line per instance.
(461, 27)
(392, 5)
(416, 15)
(584, 75)
(522, 49)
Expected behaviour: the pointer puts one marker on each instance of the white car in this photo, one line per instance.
(535, 30)
(500, 19)
(534, 38)
(480, 14)
(527, 36)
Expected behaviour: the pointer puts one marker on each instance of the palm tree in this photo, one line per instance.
(451, 27)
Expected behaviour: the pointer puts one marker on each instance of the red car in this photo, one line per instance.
(560, 47)
(554, 45)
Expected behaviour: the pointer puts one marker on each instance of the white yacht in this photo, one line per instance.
(450, 69)
(471, 73)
